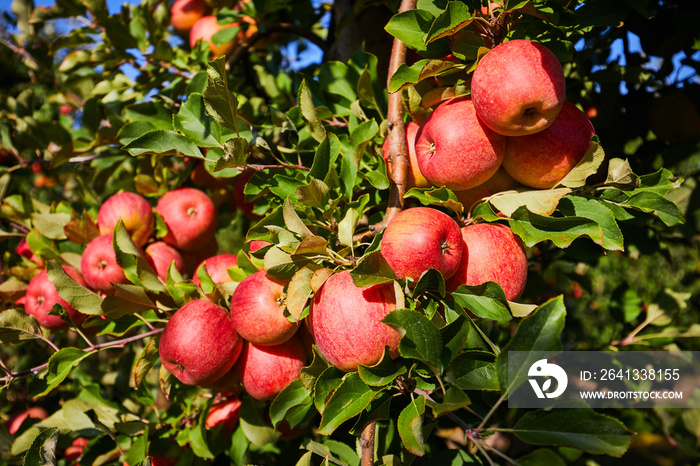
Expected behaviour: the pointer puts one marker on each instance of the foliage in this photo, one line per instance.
(95, 102)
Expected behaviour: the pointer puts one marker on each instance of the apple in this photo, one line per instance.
(518, 88)
(543, 159)
(41, 295)
(674, 116)
(201, 177)
(184, 13)
(415, 178)
(500, 181)
(197, 256)
(75, 450)
(419, 239)
(190, 216)
(491, 253)
(239, 195)
(346, 322)
(257, 244)
(224, 412)
(160, 255)
(24, 251)
(134, 210)
(99, 265)
(205, 28)
(455, 149)
(267, 370)
(199, 344)
(15, 422)
(217, 268)
(257, 310)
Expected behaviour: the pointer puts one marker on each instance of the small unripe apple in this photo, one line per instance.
(419, 239)
(518, 88)
(267, 370)
(491, 253)
(346, 322)
(199, 344)
(184, 13)
(160, 255)
(134, 210)
(190, 216)
(41, 295)
(415, 178)
(217, 268)
(257, 310)
(99, 266)
(543, 159)
(455, 149)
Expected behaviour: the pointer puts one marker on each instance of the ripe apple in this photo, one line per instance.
(542, 159)
(257, 244)
(491, 253)
(199, 344)
(518, 88)
(190, 216)
(346, 322)
(257, 310)
(267, 370)
(205, 28)
(239, 195)
(184, 13)
(41, 295)
(217, 268)
(24, 251)
(455, 149)
(15, 422)
(419, 239)
(195, 257)
(99, 265)
(75, 450)
(415, 178)
(500, 181)
(224, 412)
(201, 177)
(160, 255)
(134, 210)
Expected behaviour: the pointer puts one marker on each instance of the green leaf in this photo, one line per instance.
(455, 17)
(453, 400)
(314, 194)
(294, 222)
(145, 361)
(292, 403)
(589, 165)
(346, 227)
(654, 203)
(486, 300)
(16, 326)
(310, 114)
(382, 373)
(430, 280)
(43, 449)
(129, 258)
(235, 154)
(410, 426)
(538, 201)
(420, 339)
(562, 231)
(81, 298)
(51, 225)
(298, 292)
(126, 300)
(599, 212)
(580, 428)
(442, 197)
(193, 121)
(540, 331)
(163, 142)
(60, 365)
(347, 401)
(325, 157)
(540, 457)
(220, 102)
(474, 370)
(257, 430)
(620, 174)
(372, 269)
(411, 27)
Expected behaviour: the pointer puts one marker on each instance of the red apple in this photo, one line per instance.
(190, 216)
(518, 88)
(257, 244)
(257, 310)
(41, 295)
(201, 177)
(415, 178)
(491, 253)
(99, 265)
(239, 195)
(217, 268)
(24, 251)
(455, 149)
(75, 450)
(197, 256)
(160, 255)
(267, 370)
(184, 13)
(15, 422)
(205, 28)
(346, 322)
(543, 159)
(226, 413)
(500, 181)
(419, 239)
(134, 210)
(199, 344)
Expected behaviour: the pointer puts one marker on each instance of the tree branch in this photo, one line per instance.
(367, 444)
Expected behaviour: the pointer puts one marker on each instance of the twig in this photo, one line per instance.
(367, 444)
(490, 413)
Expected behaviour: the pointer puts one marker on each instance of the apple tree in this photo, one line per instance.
(203, 255)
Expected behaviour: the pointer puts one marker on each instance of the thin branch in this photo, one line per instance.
(367, 444)
(490, 413)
